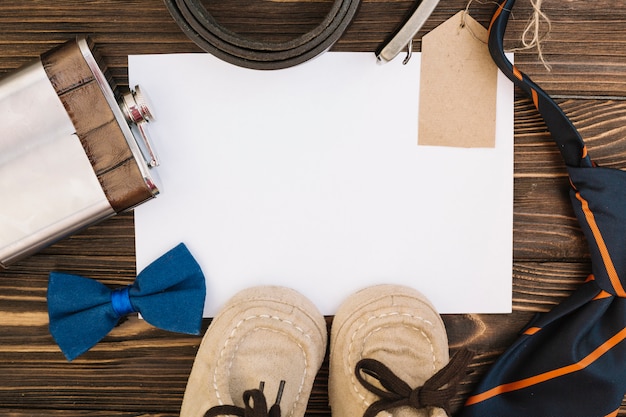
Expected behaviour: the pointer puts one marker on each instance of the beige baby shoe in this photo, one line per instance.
(265, 346)
(388, 356)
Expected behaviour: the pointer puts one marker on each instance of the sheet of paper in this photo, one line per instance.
(311, 177)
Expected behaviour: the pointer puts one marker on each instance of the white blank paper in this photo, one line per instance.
(311, 177)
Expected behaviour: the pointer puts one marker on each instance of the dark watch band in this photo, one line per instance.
(198, 24)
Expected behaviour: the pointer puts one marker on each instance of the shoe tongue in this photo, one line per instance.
(278, 360)
(408, 353)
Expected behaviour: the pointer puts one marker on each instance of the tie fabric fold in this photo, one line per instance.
(570, 361)
(169, 294)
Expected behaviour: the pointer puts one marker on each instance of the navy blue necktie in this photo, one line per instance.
(570, 361)
(169, 294)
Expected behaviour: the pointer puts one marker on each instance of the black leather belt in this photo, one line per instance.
(208, 34)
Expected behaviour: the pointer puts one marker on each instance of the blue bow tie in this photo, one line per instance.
(169, 294)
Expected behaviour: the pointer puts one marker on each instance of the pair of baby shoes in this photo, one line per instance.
(388, 354)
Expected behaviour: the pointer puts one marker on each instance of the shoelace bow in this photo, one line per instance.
(255, 405)
(436, 391)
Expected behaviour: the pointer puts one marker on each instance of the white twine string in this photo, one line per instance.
(533, 34)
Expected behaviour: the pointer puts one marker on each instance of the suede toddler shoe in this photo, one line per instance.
(266, 345)
(389, 355)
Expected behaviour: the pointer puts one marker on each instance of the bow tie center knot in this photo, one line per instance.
(120, 300)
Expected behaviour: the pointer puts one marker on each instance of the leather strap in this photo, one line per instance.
(96, 127)
(198, 24)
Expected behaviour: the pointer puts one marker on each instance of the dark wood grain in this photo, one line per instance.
(138, 370)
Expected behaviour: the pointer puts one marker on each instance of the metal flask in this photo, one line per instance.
(73, 151)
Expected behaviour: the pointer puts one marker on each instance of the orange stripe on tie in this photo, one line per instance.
(518, 74)
(546, 376)
(531, 331)
(602, 295)
(496, 14)
(613, 414)
(604, 252)
(535, 98)
(584, 152)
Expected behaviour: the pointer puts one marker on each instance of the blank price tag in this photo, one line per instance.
(457, 105)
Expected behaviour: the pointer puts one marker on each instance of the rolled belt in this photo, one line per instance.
(198, 24)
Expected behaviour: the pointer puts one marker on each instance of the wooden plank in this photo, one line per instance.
(584, 47)
(141, 371)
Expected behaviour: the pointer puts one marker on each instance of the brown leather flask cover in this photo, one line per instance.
(70, 147)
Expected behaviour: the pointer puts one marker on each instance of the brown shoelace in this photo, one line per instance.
(255, 405)
(437, 391)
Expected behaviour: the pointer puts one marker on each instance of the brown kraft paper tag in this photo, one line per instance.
(457, 104)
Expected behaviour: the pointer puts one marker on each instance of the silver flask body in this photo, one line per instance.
(73, 152)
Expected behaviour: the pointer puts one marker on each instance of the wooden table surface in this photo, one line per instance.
(140, 371)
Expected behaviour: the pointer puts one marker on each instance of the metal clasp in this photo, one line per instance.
(137, 112)
(404, 36)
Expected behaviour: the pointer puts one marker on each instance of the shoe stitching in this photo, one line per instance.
(354, 382)
(236, 348)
